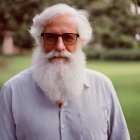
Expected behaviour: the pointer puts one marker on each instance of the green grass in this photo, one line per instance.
(11, 65)
(124, 75)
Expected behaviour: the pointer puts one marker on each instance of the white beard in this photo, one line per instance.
(59, 80)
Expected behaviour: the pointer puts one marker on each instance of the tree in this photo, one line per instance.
(113, 23)
(16, 16)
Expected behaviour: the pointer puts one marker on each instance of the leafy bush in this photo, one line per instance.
(92, 54)
(113, 54)
(23, 39)
(122, 54)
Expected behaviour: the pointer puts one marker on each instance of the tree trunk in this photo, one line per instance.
(7, 45)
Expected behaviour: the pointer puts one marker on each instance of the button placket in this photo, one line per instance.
(62, 121)
(62, 126)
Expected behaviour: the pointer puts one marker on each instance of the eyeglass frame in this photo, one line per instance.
(77, 35)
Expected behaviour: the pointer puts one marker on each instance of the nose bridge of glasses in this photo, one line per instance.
(60, 44)
(60, 37)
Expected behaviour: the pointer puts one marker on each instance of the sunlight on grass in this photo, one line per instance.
(12, 65)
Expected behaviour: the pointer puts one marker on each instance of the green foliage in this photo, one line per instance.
(17, 16)
(23, 38)
(121, 55)
(113, 54)
(116, 27)
(113, 23)
(136, 2)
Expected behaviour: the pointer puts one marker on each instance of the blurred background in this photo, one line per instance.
(114, 49)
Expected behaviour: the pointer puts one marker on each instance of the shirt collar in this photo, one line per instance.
(86, 82)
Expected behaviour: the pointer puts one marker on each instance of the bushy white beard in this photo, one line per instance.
(59, 80)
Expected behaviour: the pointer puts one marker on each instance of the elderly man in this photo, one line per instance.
(58, 98)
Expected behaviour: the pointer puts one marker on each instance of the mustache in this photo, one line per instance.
(60, 54)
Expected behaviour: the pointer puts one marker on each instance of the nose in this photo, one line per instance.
(60, 46)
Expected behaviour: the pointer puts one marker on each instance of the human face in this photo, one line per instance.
(57, 79)
(60, 25)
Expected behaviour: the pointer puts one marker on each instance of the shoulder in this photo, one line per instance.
(96, 77)
(17, 84)
(100, 82)
(22, 77)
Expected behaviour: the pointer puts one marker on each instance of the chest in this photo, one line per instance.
(82, 119)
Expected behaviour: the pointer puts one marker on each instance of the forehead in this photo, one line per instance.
(62, 23)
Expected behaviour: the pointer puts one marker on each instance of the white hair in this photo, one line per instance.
(39, 22)
(59, 80)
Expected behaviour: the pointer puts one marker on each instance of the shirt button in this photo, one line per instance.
(62, 110)
(62, 126)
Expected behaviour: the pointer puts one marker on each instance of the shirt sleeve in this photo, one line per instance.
(117, 128)
(7, 126)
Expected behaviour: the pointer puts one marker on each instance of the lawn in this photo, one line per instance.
(124, 75)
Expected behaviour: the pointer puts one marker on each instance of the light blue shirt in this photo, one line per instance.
(26, 114)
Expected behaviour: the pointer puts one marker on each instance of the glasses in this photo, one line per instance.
(68, 38)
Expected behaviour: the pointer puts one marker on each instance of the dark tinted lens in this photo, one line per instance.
(50, 38)
(69, 39)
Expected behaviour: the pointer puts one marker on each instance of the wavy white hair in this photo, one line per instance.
(39, 21)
